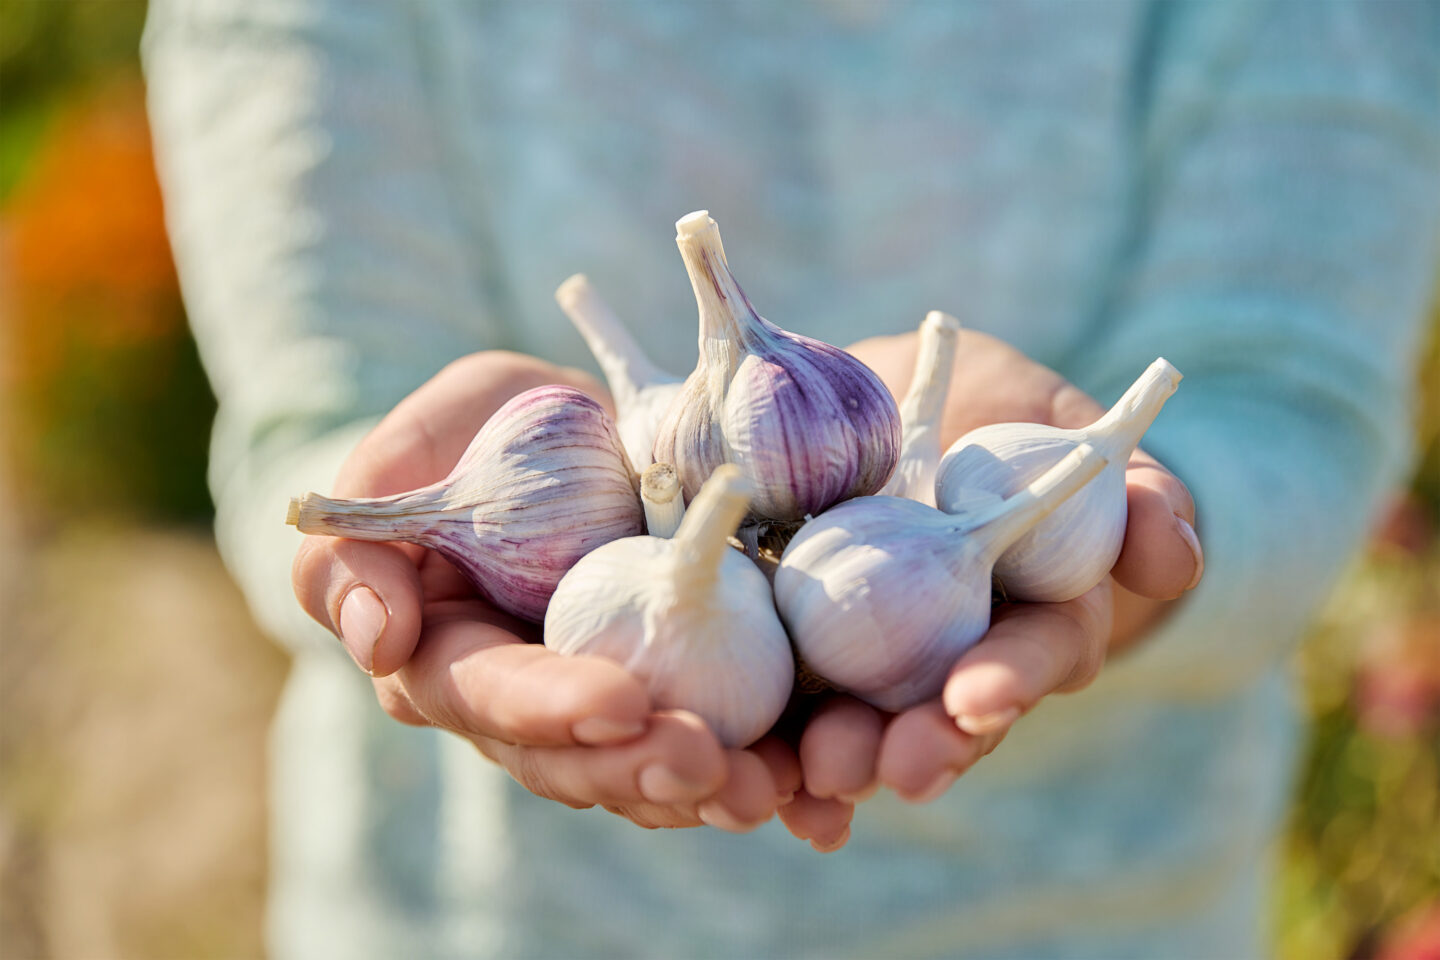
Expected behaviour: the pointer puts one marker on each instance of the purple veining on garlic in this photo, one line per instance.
(807, 423)
(544, 482)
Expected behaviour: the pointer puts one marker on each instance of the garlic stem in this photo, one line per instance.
(723, 305)
(922, 409)
(703, 536)
(1118, 432)
(626, 366)
(366, 518)
(660, 492)
(997, 527)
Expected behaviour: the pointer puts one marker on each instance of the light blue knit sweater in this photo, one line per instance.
(360, 192)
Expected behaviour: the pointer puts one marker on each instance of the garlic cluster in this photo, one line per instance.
(797, 450)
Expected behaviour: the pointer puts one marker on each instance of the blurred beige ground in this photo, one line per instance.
(136, 697)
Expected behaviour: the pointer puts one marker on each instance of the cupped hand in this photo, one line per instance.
(1032, 650)
(577, 730)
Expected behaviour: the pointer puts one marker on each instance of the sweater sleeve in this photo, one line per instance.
(324, 255)
(1282, 252)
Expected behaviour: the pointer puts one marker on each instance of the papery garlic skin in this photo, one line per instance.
(543, 483)
(808, 424)
(881, 595)
(642, 391)
(922, 409)
(1073, 549)
(689, 616)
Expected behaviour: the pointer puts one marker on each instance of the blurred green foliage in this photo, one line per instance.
(47, 47)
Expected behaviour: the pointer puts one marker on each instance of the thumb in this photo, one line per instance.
(368, 594)
(1161, 557)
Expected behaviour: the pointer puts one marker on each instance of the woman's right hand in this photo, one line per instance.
(577, 730)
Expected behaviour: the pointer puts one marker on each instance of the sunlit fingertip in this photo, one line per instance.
(716, 815)
(989, 722)
(861, 795)
(1192, 540)
(833, 845)
(933, 791)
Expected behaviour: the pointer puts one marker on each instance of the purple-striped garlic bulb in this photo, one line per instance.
(806, 423)
(543, 483)
(922, 409)
(642, 391)
(689, 616)
(881, 595)
(1073, 549)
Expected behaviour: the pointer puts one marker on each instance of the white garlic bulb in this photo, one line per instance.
(1073, 549)
(544, 482)
(642, 391)
(689, 616)
(922, 408)
(808, 424)
(882, 595)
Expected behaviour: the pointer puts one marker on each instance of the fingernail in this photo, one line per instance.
(660, 784)
(362, 620)
(861, 795)
(937, 786)
(978, 726)
(602, 730)
(1187, 533)
(717, 816)
(833, 845)
(784, 797)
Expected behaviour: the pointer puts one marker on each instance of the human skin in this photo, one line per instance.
(583, 732)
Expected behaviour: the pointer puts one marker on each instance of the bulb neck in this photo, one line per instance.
(995, 528)
(728, 323)
(924, 402)
(702, 538)
(406, 516)
(660, 494)
(1118, 432)
(627, 368)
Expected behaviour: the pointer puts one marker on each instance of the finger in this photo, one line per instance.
(825, 823)
(839, 747)
(367, 594)
(748, 798)
(1161, 557)
(923, 752)
(676, 762)
(1031, 650)
(395, 702)
(784, 766)
(474, 676)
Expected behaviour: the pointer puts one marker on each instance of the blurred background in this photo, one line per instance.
(118, 617)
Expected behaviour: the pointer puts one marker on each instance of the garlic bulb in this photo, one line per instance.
(807, 423)
(922, 408)
(660, 493)
(881, 595)
(642, 391)
(689, 616)
(543, 483)
(1073, 549)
